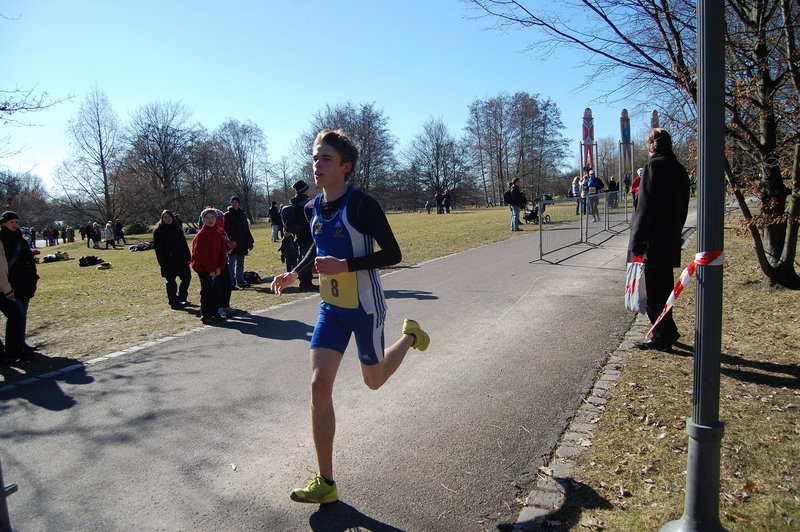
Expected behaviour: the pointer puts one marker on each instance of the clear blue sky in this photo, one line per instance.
(275, 63)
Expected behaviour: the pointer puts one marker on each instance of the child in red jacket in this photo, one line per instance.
(209, 260)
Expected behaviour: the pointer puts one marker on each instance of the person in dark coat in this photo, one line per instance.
(172, 253)
(97, 235)
(22, 278)
(88, 230)
(238, 230)
(439, 200)
(119, 231)
(516, 203)
(301, 229)
(656, 231)
(613, 189)
(275, 220)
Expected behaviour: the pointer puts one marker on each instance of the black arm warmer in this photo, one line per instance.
(366, 215)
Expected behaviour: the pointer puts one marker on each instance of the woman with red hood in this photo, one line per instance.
(209, 259)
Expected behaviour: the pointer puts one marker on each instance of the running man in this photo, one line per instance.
(346, 223)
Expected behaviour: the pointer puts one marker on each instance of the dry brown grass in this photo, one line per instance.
(639, 454)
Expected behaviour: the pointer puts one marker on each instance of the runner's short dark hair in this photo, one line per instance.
(344, 146)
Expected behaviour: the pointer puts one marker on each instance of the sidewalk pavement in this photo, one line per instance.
(552, 487)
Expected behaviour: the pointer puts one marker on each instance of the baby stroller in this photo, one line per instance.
(532, 216)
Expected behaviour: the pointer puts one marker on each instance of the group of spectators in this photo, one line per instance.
(217, 255)
(219, 248)
(111, 233)
(442, 200)
(587, 190)
(50, 235)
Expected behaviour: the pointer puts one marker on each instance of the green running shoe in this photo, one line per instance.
(317, 491)
(421, 338)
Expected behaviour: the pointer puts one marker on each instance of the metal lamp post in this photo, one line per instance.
(701, 511)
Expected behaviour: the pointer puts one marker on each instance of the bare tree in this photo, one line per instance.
(25, 193)
(435, 155)
(16, 102)
(88, 178)
(475, 131)
(489, 128)
(285, 177)
(204, 181)
(607, 155)
(536, 136)
(368, 127)
(649, 45)
(516, 136)
(160, 142)
(244, 151)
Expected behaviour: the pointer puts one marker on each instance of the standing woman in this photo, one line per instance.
(22, 277)
(108, 234)
(97, 233)
(172, 252)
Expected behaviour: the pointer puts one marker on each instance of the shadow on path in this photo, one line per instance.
(32, 365)
(266, 327)
(577, 496)
(47, 393)
(409, 294)
(341, 517)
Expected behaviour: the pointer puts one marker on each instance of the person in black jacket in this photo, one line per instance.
(238, 230)
(516, 203)
(23, 278)
(172, 253)
(300, 227)
(119, 231)
(275, 220)
(656, 231)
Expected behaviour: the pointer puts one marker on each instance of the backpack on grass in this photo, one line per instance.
(252, 278)
(91, 260)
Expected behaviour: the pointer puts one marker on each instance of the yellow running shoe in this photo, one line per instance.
(421, 338)
(317, 491)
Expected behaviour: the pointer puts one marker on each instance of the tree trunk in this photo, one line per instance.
(777, 266)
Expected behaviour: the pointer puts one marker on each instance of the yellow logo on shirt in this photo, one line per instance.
(318, 228)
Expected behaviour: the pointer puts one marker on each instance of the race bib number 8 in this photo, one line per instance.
(340, 290)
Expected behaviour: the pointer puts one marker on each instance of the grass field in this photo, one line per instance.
(82, 313)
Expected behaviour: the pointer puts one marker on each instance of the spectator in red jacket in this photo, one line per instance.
(637, 181)
(209, 259)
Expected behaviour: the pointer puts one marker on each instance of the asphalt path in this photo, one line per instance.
(210, 430)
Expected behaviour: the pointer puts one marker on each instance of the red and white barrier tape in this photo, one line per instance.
(706, 258)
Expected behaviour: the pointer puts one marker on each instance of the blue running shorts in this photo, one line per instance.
(333, 330)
